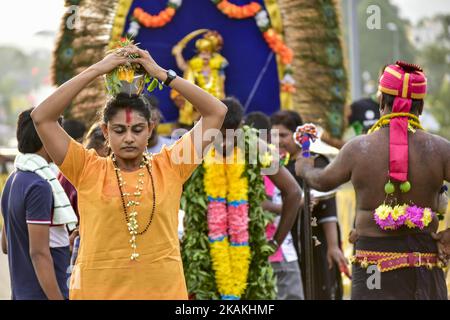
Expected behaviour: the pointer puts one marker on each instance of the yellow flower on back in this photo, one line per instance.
(427, 216)
(383, 211)
(398, 211)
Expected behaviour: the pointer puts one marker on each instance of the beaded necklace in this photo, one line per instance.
(131, 218)
(384, 121)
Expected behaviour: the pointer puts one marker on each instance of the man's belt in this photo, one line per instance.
(387, 261)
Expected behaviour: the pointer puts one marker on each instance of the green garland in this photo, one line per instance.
(195, 246)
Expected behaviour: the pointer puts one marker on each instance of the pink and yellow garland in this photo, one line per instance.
(392, 218)
(227, 191)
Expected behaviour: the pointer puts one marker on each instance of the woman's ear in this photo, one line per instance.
(104, 128)
(151, 127)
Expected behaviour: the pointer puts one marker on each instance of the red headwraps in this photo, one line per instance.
(405, 82)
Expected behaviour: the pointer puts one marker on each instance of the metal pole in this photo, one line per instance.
(395, 38)
(353, 31)
(397, 45)
(308, 245)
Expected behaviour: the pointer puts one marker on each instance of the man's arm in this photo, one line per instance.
(334, 252)
(330, 229)
(443, 237)
(333, 175)
(272, 207)
(291, 194)
(43, 261)
(4, 246)
(444, 150)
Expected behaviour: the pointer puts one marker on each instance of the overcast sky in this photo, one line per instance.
(414, 10)
(21, 19)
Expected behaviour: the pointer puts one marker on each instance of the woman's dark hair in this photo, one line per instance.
(122, 101)
(28, 140)
(235, 113)
(289, 119)
(387, 101)
(258, 120)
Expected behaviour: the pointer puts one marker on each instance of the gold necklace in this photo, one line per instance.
(413, 121)
(131, 218)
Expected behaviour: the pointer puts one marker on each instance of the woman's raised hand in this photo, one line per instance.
(112, 61)
(147, 61)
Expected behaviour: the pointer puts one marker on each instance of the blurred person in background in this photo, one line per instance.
(34, 208)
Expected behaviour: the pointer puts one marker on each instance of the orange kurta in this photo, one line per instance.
(103, 269)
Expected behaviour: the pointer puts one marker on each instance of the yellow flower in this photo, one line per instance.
(237, 182)
(196, 64)
(221, 264)
(214, 180)
(126, 74)
(230, 263)
(427, 216)
(266, 159)
(240, 262)
(398, 211)
(383, 211)
(409, 224)
(217, 62)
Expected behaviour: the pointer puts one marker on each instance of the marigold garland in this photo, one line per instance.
(143, 18)
(227, 191)
(196, 248)
(273, 39)
(238, 11)
(277, 45)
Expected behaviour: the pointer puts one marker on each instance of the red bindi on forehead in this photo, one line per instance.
(128, 113)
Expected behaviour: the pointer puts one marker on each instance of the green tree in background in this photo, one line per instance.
(21, 74)
(378, 46)
(434, 57)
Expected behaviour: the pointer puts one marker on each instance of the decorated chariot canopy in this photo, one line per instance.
(272, 54)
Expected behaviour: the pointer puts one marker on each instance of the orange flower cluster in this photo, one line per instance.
(239, 12)
(154, 21)
(123, 42)
(287, 87)
(278, 46)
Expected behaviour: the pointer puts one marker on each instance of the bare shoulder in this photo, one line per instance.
(355, 146)
(433, 143)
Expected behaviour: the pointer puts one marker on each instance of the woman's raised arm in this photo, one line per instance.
(46, 115)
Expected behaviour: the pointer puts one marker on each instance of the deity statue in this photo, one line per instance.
(205, 69)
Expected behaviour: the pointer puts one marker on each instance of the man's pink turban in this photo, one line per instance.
(405, 82)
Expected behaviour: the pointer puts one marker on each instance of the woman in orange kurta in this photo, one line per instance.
(128, 202)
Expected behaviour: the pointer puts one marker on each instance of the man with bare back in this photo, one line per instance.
(397, 171)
